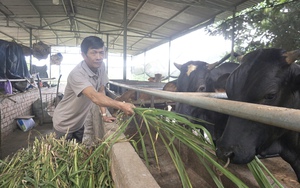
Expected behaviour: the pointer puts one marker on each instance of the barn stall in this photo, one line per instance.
(51, 29)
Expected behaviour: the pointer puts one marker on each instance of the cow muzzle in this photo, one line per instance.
(235, 155)
(224, 155)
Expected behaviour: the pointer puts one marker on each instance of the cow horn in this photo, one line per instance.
(212, 66)
(178, 66)
(292, 56)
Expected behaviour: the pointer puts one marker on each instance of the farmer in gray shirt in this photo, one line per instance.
(85, 85)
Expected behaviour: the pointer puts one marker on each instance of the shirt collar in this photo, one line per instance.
(88, 70)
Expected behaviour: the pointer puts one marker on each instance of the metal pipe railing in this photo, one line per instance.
(277, 116)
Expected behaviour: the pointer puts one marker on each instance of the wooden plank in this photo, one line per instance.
(24, 117)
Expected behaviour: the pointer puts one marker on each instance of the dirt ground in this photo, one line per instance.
(19, 139)
(282, 171)
(167, 176)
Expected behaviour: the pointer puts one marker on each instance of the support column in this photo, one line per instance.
(125, 41)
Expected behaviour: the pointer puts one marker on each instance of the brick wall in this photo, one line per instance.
(9, 109)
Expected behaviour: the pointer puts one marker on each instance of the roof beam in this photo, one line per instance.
(100, 13)
(117, 26)
(14, 39)
(38, 12)
(137, 10)
(197, 26)
(8, 17)
(74, 13)
(201, 3)
(96, 31)
(71, 16)
(5, 14)
(86, 32)
(55, 23)
(159, 26)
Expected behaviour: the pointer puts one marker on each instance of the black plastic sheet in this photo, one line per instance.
(12, 61)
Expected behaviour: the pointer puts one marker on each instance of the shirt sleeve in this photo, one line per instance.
(78, 82)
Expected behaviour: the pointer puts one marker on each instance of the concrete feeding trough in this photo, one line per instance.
(129, 169)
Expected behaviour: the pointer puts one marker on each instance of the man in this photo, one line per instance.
(85, 85)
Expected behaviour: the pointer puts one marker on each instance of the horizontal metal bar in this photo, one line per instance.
(13, 80)
(277, 116)
(156, 92)
(45, 79)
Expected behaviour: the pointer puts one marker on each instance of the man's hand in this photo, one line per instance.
(108, 119)
(127, 108)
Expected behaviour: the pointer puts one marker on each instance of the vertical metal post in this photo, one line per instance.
(169, 67)
(145, 56)
(232, 34)
(107, 44)
(30, 46)
(152, 102)
(41, 99)
(50, 67)
(125, 40)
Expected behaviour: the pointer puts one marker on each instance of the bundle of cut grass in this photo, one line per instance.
(167, 127)
(50, 162)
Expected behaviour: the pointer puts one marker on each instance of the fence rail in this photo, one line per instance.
(277, 116)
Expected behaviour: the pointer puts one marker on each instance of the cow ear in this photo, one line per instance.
(178, 66)
(291, 56)
(220, 83)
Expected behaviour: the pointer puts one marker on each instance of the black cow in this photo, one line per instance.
(266, 76)
(199, 76)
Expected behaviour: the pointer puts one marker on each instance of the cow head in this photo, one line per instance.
(191, 79)
(268, 77)
(198, 76)
(192, 76)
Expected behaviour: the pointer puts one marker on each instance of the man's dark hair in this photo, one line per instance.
(92, 42)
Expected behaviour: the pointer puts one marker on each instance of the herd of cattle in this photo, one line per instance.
(265, 76)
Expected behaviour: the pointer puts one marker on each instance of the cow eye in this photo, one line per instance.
(270, 96)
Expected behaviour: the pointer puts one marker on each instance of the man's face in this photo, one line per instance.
(94, 58)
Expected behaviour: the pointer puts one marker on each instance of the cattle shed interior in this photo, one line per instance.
(137, 24)
(128, 27)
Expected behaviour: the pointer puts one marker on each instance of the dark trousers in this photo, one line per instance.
(77, 135)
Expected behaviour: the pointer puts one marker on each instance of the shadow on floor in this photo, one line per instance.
(19, 139)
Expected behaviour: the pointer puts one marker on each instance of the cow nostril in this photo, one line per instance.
(228, 154)
(224, 155)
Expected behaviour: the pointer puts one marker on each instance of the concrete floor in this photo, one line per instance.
(19, 139)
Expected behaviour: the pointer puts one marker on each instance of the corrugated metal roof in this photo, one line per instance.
(149, 22)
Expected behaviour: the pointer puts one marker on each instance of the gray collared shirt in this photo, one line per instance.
(71, 112)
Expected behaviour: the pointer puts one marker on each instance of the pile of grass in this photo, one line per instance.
(51, 162)
(170, 127)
